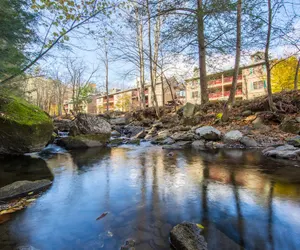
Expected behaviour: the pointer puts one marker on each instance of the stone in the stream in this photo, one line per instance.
(21, 188)
(86, 124)
(295, 141)
(248, 142)
(288, 152)
(198, 144)
(208, 133)
(183, 136)
(131, 131)
(24, 128)
(140, 135)
(115, 133)
(187, 236)
(129, 245)
(233, 136)
(84, 141)
(119, 121)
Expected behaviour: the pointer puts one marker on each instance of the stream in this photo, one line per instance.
(239, 196)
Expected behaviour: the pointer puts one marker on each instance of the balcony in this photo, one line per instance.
(218, 95)
(146, 92)
(215, 82)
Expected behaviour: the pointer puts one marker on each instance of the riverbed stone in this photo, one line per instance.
(233, 136)
(295, 141)
(115, 133)
(183, 136)
(24, 128)
(187, 236)
(208, 133)
(198, 144)
(21, 188)
(140, 135)
(288, 152)
(83, 141)
(248, 142)
(119, 121)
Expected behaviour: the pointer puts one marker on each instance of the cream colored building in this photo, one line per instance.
(251, 83)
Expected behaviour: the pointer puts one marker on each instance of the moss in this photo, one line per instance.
(17, 110)
(24, 127)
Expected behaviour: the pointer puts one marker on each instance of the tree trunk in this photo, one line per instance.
(162, 89)
(231, 98)
(267, 60)
(139, 31)
(202, 52)
(296, 75)
(151, 61)
(106, 80)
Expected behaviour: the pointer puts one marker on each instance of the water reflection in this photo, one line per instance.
(147, 192)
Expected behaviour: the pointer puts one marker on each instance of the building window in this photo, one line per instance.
(258, 85)
(194, 94)
(182, 93)
(251, 71)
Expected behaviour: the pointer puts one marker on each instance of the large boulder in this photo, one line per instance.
(22, 188)
(187, 236)
(24, 128)
(290, 126)
(208, 133)
(63, 125)
(86, 124)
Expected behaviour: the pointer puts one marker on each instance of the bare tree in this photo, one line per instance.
(231, 98)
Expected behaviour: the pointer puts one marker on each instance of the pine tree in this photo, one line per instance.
(16, 25)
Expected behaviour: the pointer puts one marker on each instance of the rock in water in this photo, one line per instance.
(187, 236)
(208, 133)
(86, 124)
(24, 128)
(20, 188)
(295, 141)
(88, 131)
(233, 136)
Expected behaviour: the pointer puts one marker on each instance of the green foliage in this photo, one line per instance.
(123, 103)
(83, 97)
(16, 25)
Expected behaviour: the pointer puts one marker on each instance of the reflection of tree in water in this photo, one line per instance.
(270, 215)
(238, 209)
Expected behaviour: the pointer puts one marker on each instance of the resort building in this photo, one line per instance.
(251, 83)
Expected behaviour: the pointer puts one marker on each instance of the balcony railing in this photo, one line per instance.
(226, 93)
(215, 82)
(226, 80)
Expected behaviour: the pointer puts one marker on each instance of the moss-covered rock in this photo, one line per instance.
(24, 127)
(84, 141)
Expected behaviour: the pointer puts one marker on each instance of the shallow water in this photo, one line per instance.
(239, 196)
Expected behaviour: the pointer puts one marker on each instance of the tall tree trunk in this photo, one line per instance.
(296, 75)
(140, 42)
(162, 89)
(156, 46)
(106, 80)
(151, 61)
(202, 52)
(231, 98)
(267, 60)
